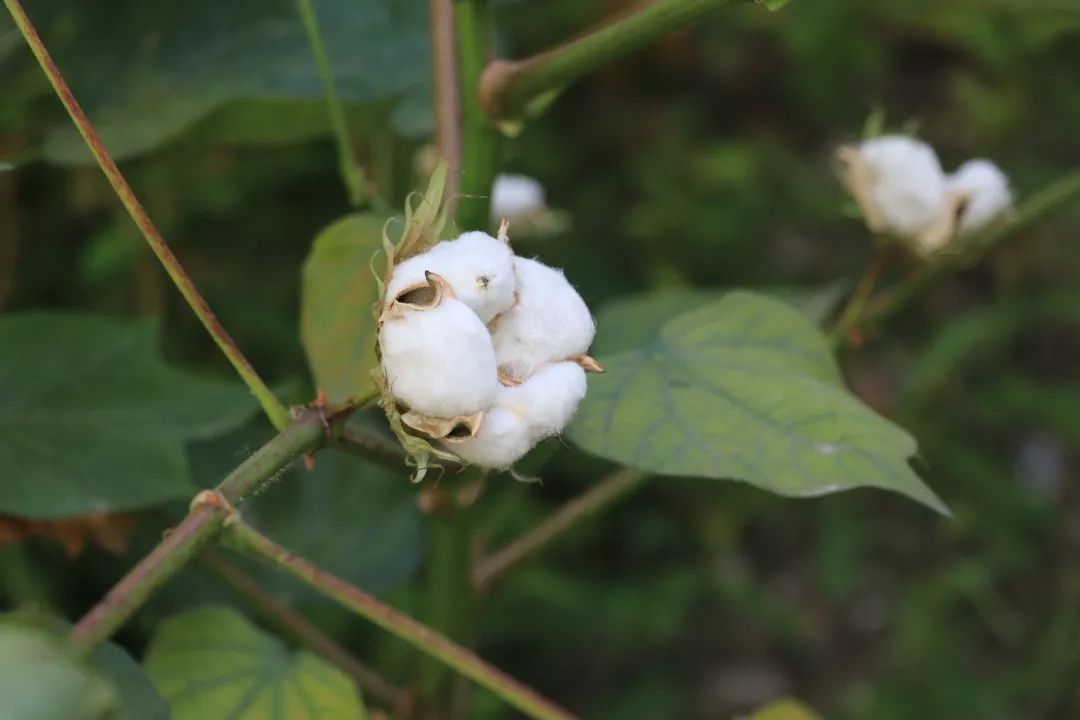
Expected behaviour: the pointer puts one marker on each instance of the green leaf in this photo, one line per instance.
(337, 294)
(200, 56)
(744, 388)
(6, 166)
(775, 5)
(92, 420)
(213, 663)
(785, 709)
(42, 679)
(137, 698)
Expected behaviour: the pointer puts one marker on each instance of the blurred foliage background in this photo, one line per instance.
(703, 161)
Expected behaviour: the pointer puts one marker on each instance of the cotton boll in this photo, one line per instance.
(439, 361)
(905, 185)
(549, 323)
(504, 438)
(549, 397)
(986, 190)
(478, 268)
(515, 197)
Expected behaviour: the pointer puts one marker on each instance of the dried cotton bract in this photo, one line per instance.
(436, 353)
(478, 268)
(549, 323)
(985, 192)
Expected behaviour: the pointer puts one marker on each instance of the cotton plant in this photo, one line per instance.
(483, 354)
(903, 191)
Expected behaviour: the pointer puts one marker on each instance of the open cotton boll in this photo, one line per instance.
(904, 183)
(549, 323)
(439, 361)
(986, 190)
(504, 437)
(514, 197)
(549, 397)
(523, 415)
(478, 268)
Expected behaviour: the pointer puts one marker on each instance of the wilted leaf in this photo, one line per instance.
(195, 57)
(337, 293)
(744, 388)
(213, 663)
(91, 419)
(42, 679)
(110, 532)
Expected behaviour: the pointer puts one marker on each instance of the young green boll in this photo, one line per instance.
(903, 185)
(523, 415)
(548, 323)
(438, 358)
(985, 190)
(478, 267)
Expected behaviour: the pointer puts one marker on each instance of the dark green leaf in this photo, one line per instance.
(744, 388)
(337, 293)
(195, 57)
(213, 663)
(92, 421)
(42, 679)
(137, 698)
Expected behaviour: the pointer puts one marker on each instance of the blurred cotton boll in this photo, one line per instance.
(985, 190)
(516, 197)
(478, 268)
(548, 323)
(438, 358)
(899, 185)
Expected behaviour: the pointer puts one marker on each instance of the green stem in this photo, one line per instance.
(277, 412)
(246, 539)
(449, 598)
(201, 525)
(1060, 193)
(295, 625)
(852, 312)
(610, 489)
(351, 172)
(508, 87)
(480, 141)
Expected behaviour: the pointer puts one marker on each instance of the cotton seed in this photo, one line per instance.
(986, 192)
(548, 323)
(438, 360)
(904, 185)
(478, 267)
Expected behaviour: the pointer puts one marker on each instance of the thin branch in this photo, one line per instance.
(447, 95)
(853, 310)
(614, 487)
(246, 539)
(200, 526)
(277, 412)
(351, 172)
(1058, 194)
(370, 446)
(300, 628)
(480, 140)
(508, 87)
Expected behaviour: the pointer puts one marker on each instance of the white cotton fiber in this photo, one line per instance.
(478, 268)
(548, 323)
(905, 183)
(514, 197)
(439, 361)
(502, 439)
(986, 190)
(523, 415)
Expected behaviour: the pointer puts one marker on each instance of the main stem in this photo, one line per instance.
(200, 526)
(246, 539)
(479, 141)
(277, 412)
(508, 87)
(351, 173)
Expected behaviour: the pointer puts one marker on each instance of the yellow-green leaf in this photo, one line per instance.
(214, 663)
(744, 388)
(785, 709)
(337, 293)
